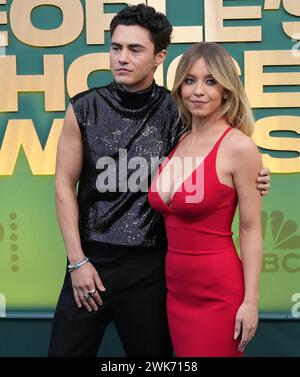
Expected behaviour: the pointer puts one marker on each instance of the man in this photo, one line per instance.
(115, 242)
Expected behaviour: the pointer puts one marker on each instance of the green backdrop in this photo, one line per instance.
(32, 254)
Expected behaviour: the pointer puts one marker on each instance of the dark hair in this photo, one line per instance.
(145, 16)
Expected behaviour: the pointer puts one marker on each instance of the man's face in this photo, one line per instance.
(132, 58)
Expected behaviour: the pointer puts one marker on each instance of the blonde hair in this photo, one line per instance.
(236, 109)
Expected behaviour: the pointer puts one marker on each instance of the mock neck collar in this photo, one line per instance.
(135, 100)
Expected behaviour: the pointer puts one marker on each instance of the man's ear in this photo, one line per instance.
(160, 57)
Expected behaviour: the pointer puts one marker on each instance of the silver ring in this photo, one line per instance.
(89, 294)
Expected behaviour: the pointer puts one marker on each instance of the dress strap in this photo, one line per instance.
(174, 149)
(216, 146)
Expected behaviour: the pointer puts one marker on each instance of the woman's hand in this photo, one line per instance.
(245, 324)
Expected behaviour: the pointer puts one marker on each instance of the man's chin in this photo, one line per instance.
(123, 80)
(128, 84)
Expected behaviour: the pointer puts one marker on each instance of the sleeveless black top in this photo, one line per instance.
(124, 136)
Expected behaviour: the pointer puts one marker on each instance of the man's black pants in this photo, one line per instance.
(135, 298)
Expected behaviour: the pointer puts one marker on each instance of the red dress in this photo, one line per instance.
(204, 273)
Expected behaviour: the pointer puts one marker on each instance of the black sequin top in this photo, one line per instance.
(124, 135)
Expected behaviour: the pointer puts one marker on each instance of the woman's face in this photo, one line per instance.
(200, 92)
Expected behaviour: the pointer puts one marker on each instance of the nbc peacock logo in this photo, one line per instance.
(281, 243)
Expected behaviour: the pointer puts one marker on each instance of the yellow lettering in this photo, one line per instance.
(82, 67)
(181, 34)
(67, 32)
(272, 4)
(51, 82)
(172, 71)
(292, 29)
(256, 79)
(97, 22)
(263, 139)
(21, 133)
(3, 21)
(216, 14)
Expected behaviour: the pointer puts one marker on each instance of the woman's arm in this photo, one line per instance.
(247, 164)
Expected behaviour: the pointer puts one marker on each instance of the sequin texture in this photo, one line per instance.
(142, 124)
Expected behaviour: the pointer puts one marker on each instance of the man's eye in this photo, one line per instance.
(136, 51)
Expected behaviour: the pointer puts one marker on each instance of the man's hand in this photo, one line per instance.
(263, 181)
(86, 279)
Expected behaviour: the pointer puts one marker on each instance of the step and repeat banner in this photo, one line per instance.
(52, 49)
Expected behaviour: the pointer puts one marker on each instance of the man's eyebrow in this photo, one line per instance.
(132, 45)
(115, 44)
(137, 45)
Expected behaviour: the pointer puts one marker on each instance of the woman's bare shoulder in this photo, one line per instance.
(239, 144)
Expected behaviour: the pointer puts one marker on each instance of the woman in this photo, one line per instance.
(212, 293)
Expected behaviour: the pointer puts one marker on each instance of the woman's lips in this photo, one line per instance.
(199, 103)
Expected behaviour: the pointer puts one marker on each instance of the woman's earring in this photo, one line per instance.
(225, 96)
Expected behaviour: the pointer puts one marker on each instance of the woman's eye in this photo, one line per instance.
(188, 81)
(211, 82)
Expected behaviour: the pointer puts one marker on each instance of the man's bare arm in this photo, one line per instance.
(68, 168)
